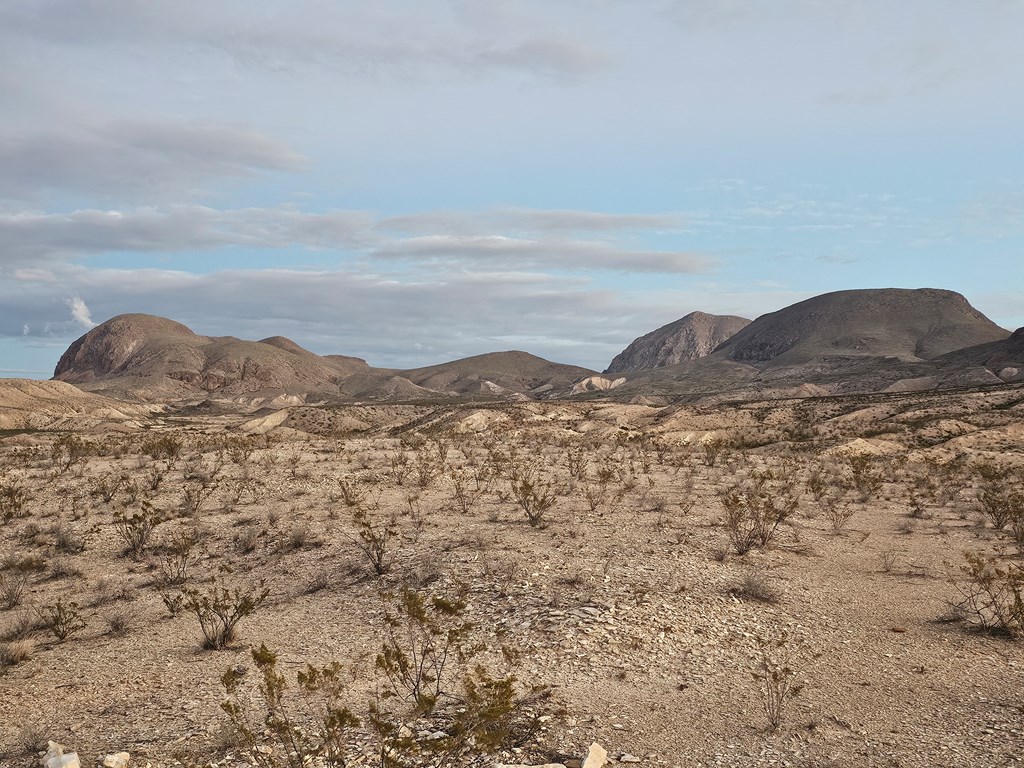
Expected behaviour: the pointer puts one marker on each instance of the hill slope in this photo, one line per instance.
(912, 325)
(688, 338)
(154, 358)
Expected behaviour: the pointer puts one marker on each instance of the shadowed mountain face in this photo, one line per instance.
(153, 357)
(910, 325)
(1003, 358)
(688, 338)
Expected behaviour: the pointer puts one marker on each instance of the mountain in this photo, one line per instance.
(498, 373)
(142, 357)
(155, 358)
(1004, 358)
(688, 338)
(907, 324)
(843, 342)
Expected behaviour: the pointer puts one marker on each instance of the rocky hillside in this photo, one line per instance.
(153, 358)
(688, 338)
(911, 325)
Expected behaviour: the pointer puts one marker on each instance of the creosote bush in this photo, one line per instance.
(377, 539)
(136, 527)
(62, 619)
(755, 508)
(992, 594)
(219, 609)
(773, 670)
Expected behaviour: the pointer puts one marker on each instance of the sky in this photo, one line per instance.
(412, 182)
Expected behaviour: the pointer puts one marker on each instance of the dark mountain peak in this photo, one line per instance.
(688, 338)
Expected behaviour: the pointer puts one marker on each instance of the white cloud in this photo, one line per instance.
(80, 312)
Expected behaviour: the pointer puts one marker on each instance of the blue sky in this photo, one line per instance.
(413, 182)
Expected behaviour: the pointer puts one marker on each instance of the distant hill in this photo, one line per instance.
(849, 341)
(155, 358)
(150, 358)
(910, 325)
(1004, 358)
(499, 372)
(688, 338)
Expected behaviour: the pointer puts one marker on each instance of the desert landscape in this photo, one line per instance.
(788, 542)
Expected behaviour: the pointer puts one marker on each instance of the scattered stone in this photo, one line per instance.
(597, 757)
(517, 765)
(58, 757)
(628, 758)
(116, 760)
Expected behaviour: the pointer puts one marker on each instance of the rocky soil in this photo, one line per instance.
(627, 598)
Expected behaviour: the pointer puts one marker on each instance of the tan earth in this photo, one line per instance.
(628, 597)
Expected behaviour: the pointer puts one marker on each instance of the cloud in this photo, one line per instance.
(518, 253)
(375, 316)
(524, 220)
(560, 59)
(535, 239)
(80, 312)
(135, 159)
(29, 237)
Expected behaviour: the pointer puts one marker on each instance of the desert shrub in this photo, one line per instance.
(991, 594)
(13, 500)
(424, 636)
(839, 515)
(712, 448)
(12, 590)
(1001, 499)
(466, 490)
(193, 496)
(15, 652)
(220, 609)
(119, 622)
(887, 558)
(376, 539)
(425, 665)
(755, 508)
(866, 475)
(67, 452)
(175, 565)
(62, 619)
(276, 737)
(399, 466)
(756, 584)
(107, 486)
(351, 495)
(534, 495)
(773, 670)
(136, 527)
(166, 446)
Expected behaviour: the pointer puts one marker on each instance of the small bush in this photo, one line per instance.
(16, 652)
(136, 528)
(533, 495)
(757, 584)
(376, 539)
(13, 500)
(756, 508)
(119, 622)
(774, 671)
(62, 619)
(12, 590)
(220, 609)
(275, 737)
(992, 594)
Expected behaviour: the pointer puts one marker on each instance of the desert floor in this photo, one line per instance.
(627, 597)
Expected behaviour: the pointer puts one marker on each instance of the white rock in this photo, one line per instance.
(596, 756)
(56, 757)
(116, 760)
